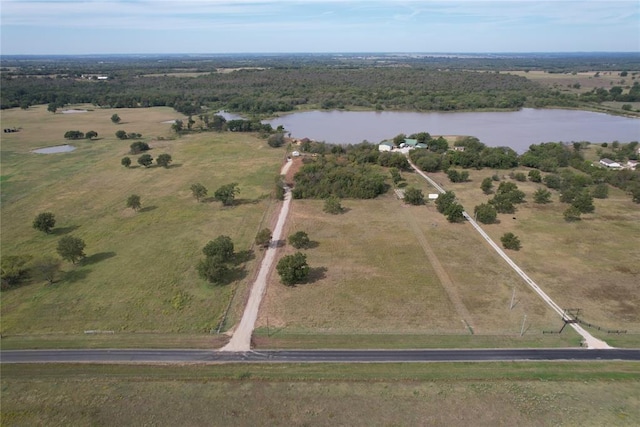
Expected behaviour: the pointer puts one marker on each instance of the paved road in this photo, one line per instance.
(306, 356)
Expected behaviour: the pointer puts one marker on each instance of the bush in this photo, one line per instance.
(138, 147)
(276, 140)
(510, 241)
(332, 205)
(44, 222)
(299, 240)
(164, 160)
(145, 160)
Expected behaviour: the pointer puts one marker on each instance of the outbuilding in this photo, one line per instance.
(610, 163)
(386, 146)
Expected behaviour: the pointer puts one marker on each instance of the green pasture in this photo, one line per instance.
(452, 394)
(139, 274)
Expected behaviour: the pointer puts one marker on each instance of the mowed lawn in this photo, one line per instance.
(384, 267)
(139, 273)
(591, 265)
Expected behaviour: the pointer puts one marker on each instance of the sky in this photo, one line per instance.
(33, 27)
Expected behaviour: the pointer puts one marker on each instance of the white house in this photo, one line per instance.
(610, 163)
(386, 146)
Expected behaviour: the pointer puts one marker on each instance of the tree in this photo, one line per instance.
(510, 241)
(115, 118)
(276, 140)
(73, 134)
(395, 175)
(584, 202)
(221, 247)
(542, 196)
(52, 107)
(299, 240)
(138, 147)
(571, 214)
(14, 270)
(44, 221)
(126, 162)
(121, 134)
(213, 269)
(47, 268)
(487, 185)
(454, 213)
(457, 176)
(293, 269)
(414, 196)
(164, 160)
(177, 126)
(263, 238)
(71, 248)
(485, 213)
(332, 205)
(199, 191)
(226, 193)
(445, 200)
(535, 175)
(133, 202)
(601, 191)
(91, 134)
(145, 160)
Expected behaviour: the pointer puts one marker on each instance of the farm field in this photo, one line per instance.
(452, 394)
(139, 274)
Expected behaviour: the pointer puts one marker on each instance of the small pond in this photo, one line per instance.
(55, 149)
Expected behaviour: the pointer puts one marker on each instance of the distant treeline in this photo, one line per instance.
(263, 85)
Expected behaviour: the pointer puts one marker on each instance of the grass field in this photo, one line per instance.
(139, 274)
(451, 394)
(591, 264)
(387, 268)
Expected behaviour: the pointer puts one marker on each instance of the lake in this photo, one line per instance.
(515, 129)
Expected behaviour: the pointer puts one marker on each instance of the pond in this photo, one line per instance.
(515, 129)
(55, 149)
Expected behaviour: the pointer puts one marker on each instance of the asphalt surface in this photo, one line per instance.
(307, 356)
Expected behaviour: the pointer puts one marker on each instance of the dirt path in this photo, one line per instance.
(443, 276)
(241, 339)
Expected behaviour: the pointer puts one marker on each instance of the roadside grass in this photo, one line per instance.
(510, 393)
(139, 274)
(590, 264)
(586, 79)
(370, 275)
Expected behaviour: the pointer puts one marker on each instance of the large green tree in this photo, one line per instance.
(145, 160)
(485, 213)
(71, 248)
(44, 221)
(213, 269)
(221, 247)
(542, 196)
(293, 269)
(115, 118)
(583, 201)
(226, 193)
(414, 196)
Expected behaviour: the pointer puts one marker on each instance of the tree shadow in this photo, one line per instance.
(174, 165)
(277, 243)
(238, 202)
(316, 274)
(73, 276)
(313, 244)
(236, 274)
(95, 258)
(243, 256)
(64, 230)
(148, 209)
(208, 200)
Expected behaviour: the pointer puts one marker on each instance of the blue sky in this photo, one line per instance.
(239, 26)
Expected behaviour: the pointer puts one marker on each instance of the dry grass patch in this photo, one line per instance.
(590, 264)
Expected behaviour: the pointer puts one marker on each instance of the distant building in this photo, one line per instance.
(458, 148)
(411, 142)
(386, 146)
(610, 163)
